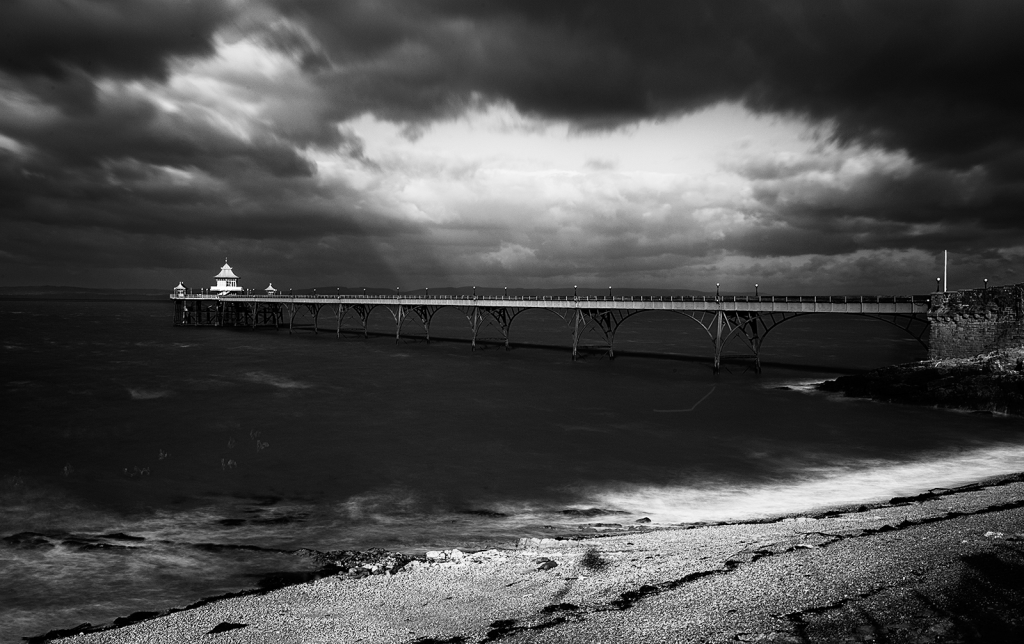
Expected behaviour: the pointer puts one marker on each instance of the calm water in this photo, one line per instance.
(134, 451)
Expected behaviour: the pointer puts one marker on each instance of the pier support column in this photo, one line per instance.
(755, 343)
(475, 324)
(363, 311)
(719, 319)
(426, 313)
(576, 324)
(314, 309)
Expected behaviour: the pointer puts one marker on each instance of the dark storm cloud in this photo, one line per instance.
(116, 37)
(934, 77)
(935, 80)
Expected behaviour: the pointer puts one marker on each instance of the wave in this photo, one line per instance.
(264, 378)
(806, 386)
(147, 394)
(819, 488)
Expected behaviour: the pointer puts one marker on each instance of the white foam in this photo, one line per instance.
(146, 394)
(803, 386)
(280, 382)
(819, 487)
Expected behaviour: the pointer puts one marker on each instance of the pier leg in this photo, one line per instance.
(425, 317)
(718, 342)
(755, 342)
(609, 324)
(398, 323)
(575, 333)
(476, 327)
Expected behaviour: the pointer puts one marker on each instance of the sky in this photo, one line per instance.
(811, 147)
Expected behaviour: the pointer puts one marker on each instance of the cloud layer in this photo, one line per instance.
(829, 147)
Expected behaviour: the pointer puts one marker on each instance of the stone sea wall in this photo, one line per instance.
(972, 322)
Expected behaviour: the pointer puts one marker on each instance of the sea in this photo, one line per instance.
(144, 466)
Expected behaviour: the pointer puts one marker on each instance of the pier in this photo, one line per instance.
(743, 319)
(947, 323)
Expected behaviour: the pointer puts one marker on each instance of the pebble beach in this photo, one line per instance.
(940, 567)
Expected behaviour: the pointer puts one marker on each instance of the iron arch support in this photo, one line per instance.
(342, 310)
(314, 310)
(363, 311)
(606, 321)
(915, 324)
(500, 318)
(292, 310)
(424, 312)
(398, 313)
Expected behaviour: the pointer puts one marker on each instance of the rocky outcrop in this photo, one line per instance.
(993, 382)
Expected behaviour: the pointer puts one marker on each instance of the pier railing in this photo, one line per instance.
(781, 299)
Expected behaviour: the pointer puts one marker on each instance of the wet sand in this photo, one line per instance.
(945, 566)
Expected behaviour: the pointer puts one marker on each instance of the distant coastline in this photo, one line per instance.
(991, 383)
(79, 294)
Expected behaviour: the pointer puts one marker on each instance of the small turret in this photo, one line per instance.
(179, 290)
(271, 290)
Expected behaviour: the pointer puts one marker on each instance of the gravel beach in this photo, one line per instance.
(947, 566)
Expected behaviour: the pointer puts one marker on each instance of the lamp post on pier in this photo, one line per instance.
(756, 294)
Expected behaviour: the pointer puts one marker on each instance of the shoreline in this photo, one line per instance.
(351, 568)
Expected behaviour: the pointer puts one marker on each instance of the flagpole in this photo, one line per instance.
(945, 262)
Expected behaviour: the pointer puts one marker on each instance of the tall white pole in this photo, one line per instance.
(945, 262)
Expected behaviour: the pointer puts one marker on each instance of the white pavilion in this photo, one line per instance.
(227, 281)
